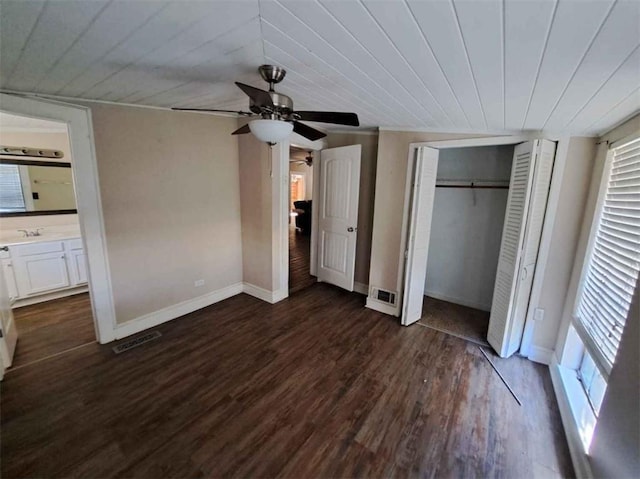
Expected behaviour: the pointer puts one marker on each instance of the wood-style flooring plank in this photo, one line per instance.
(52, 327)
(314, 386)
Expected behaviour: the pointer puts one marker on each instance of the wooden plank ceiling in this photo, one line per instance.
(562, 66)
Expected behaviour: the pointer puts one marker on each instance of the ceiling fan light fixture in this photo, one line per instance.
(270, 131)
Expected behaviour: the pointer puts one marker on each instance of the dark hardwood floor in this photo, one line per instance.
(52, 327)
(313, 386)
(299, 261)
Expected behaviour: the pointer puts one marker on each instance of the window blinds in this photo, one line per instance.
(613, 264)
(11, 199)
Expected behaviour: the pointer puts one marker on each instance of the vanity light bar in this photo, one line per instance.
(28, 151)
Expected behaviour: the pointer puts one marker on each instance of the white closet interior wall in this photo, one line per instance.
(467, 225)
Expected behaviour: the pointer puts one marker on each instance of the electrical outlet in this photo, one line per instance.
(538, 314)
(199, 283)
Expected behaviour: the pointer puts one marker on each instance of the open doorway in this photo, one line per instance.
(300, 218)
(42, 253)
(88, 263)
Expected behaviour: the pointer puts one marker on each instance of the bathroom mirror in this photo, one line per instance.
(32, 188)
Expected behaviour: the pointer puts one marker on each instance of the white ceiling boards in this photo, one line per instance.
(566, 66)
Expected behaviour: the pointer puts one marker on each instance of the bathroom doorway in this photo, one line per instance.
(73, 257)
(42, 253)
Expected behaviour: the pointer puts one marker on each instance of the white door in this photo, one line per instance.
(422, 197)
(8, 331)
(338, 215)
(41, 272)
(526, 207)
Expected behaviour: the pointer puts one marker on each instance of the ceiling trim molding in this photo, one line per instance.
(367, 131)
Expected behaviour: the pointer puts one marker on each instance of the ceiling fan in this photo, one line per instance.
(278, 118)
(308, 160)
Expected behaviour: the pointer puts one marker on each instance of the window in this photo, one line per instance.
(11, 197)
(612, 264)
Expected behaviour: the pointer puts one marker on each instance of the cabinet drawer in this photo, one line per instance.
(37, 248)
(74, 244)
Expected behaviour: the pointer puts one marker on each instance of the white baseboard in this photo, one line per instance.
(540, 355)
(41, 298)
(270, 297)
(462, 302)
(175, 311)
(361, 288)
(579, 458)
(382, 307)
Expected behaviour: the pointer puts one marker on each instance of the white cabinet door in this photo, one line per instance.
(10, 279)
(77, 262)
(41, 272)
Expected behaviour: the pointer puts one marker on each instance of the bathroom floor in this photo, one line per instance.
(49, 328)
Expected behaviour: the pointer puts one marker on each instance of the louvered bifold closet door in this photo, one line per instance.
(614, 260)
(513, 234)
(544, 157)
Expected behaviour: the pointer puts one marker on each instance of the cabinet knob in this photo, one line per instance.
(4, 248)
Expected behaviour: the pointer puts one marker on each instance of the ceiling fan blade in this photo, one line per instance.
(308, 132)
(242, 130)
(241, 113)
(339, 118)
(259, 97)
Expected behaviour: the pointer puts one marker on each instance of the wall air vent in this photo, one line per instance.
(387, 297)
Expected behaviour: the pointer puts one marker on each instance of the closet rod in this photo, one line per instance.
(474, 186)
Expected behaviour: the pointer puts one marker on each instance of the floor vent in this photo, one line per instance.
(383, 296)
(137, 341)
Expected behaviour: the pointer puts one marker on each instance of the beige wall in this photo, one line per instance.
(54, 141)
(256, 204)
(171, 201)
(391, 175)
(369, 143)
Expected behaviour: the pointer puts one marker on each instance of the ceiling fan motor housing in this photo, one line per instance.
(282, 107)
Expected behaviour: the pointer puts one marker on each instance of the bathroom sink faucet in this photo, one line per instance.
(27, 233)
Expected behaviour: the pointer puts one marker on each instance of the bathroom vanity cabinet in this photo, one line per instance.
(42, 270)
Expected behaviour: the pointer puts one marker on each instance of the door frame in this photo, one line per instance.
(526, 348)
(87, 189)
(280, 155)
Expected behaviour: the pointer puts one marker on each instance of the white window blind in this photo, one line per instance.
(11, 198)
(613, 264)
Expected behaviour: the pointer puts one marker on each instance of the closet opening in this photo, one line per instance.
(475, 212)
(472, 185)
